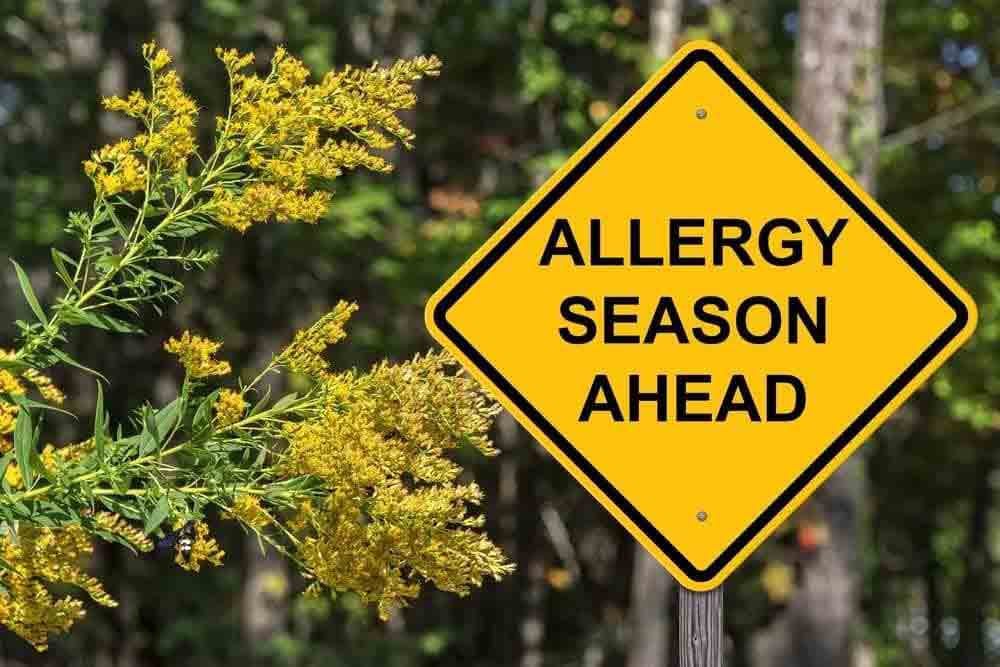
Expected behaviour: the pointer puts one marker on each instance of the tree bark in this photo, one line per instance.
(700, 630)
(839, 103)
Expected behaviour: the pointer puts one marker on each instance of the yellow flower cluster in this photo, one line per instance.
(36, 558)
(115, 169)
(197, 355)
(395, 515)
(229, 407)
(156, 57)
(172, 116)
(114, 524)
(52, 458)
(305, 353)
(12, 475)
(135, 105)
(297, 134)
(261, 202)
(169, 117)
(9, 384)
(247, 508)
(43, 383)
(12, 384)
(204, 549)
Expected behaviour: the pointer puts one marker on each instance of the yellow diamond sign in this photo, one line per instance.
(701, 316)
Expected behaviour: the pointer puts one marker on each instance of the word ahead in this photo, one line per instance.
(701, 341)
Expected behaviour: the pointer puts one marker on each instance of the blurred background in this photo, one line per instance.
(892, 564)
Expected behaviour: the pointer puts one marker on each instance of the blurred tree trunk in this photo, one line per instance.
(652, 586)
(267, 584)
(664, 25)
(976, 588)
(649, 615)
(265, 595)
(838, 102)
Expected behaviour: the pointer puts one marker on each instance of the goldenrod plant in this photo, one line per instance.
(350, 479)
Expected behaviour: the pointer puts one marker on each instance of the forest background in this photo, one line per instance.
(893, 564)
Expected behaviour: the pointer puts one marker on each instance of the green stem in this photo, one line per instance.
(150, 458)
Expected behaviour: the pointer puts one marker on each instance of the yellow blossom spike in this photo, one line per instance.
(203, 549)
(43, 383)
(196, 354)
(247, 509)
(229, 407)
(395, 515)
(305, 354)
(116, 525)
(40, 556)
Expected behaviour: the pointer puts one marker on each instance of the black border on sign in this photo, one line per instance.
(824, 172)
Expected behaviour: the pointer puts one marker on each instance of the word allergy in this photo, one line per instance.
(755, 319)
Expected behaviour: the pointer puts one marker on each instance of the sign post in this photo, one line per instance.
(700, 628)
(701, 316)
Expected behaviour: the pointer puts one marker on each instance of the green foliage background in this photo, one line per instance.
(525, 83)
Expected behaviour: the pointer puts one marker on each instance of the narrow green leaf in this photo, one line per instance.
(157, 516)
(13, 365)
(39, 466)
(66, 359)
(24, 445)
(76, 317)
(167, 416)
(29, 294)
(203, 415)
(126, 508)
(58, 259)
(285, 401)
(262, 403)
(117, 223)
(99, 423)
(26, 402)
(149, 439)
(157, 426)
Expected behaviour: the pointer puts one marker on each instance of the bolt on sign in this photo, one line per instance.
(701, 316)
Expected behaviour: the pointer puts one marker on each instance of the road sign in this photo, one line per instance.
(701, 316)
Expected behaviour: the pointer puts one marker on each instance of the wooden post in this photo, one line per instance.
(700, 628)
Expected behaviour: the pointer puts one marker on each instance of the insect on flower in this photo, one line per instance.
(177, 540)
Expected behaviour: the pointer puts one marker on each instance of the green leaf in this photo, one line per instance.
(126, 508)
(13, 365)
(157, 426)
(26, 402)
(186, 228)
(66, 359)
(29, 294)
(59, 260)
(203, 415)
(99, 423)
(24, 445)
(116, 222)
(39, 466)
(157, 516)
(76, 317)
(262, 403)
(285, 401)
